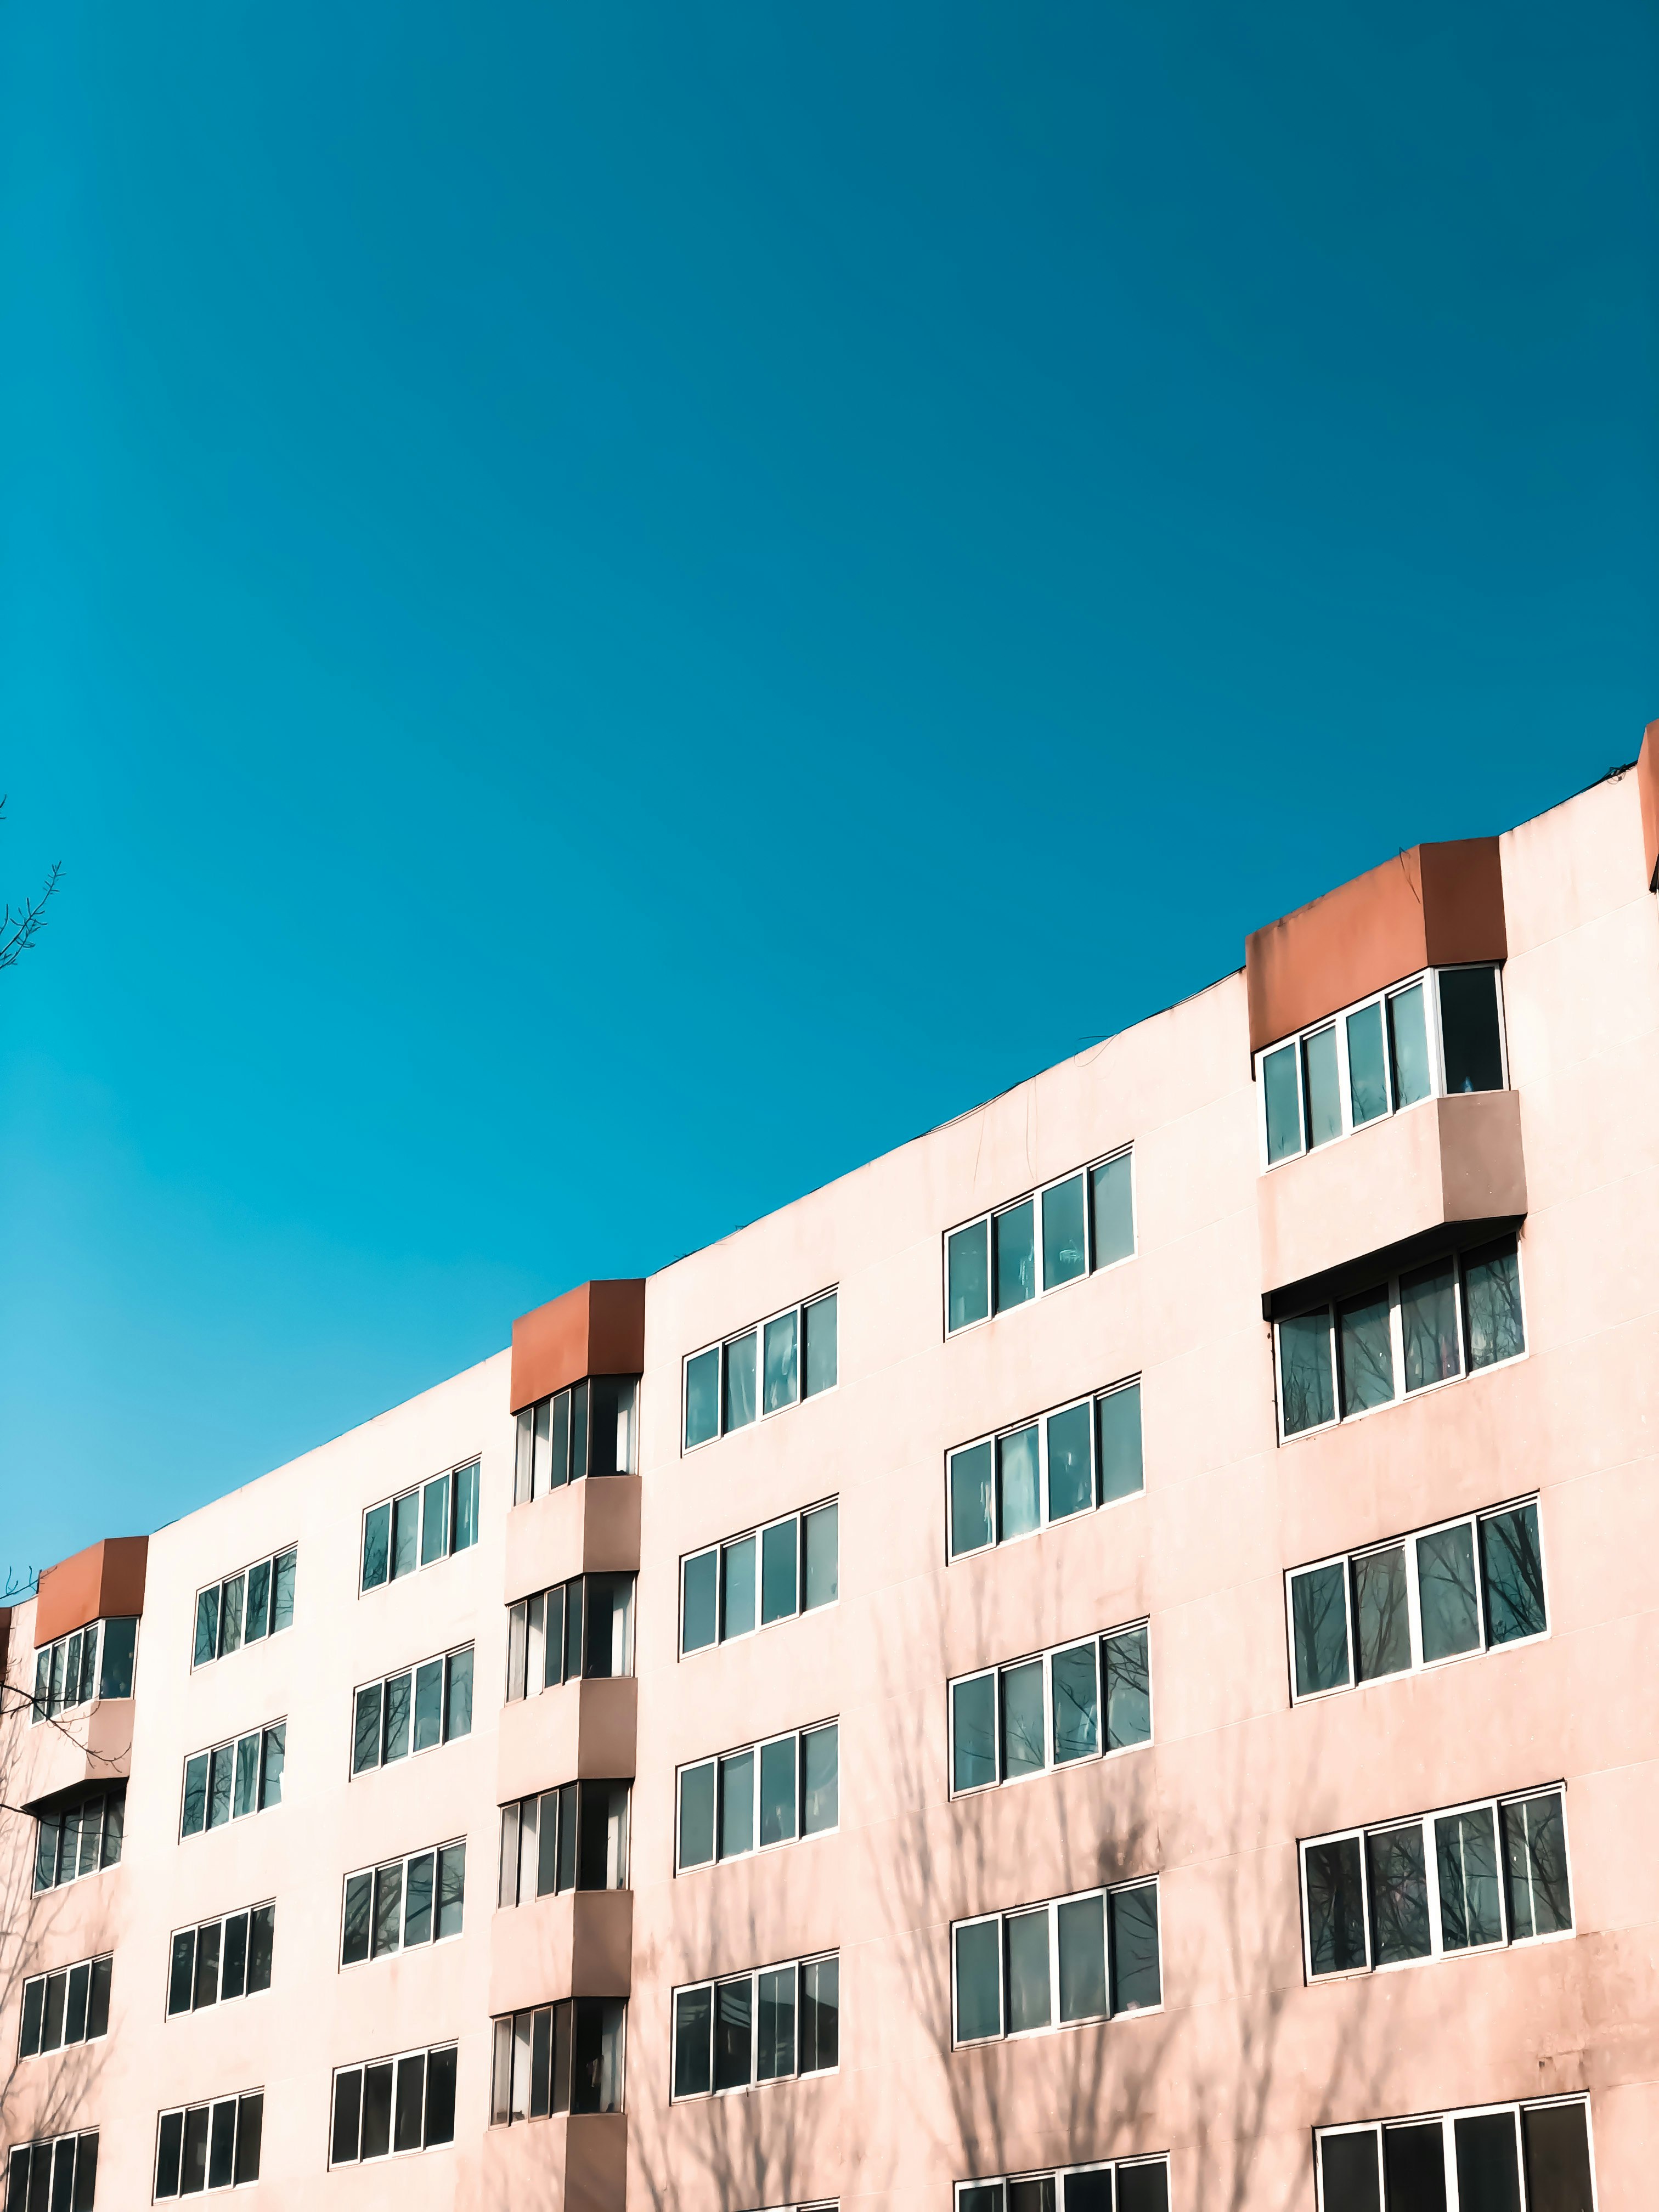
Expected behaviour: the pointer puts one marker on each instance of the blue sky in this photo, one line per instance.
(612, 609)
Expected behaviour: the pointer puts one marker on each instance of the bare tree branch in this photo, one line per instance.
(19, 926)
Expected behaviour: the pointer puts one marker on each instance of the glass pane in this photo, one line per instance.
(405, 1533)
(566, 1878)
(1365, 1344)
(1428, 1325)
(1319, 1621)
(699, 1610)
(411, 2096)
(1514, 1569)
(823, 1557)
(441, 2096)
(281, 1590)
(275, 1752)
(1382, 1608)
(366, 1730)
(1408, 1040)
(1034, 2194)
(779, 1545)
(195, 1812)
(435, 1521)
(823, 1356)
(1065, 1233)
(969, 1272)
(1022, 1720)
(221, 1768)
(1324, 1088)
(193, 2176)
(1445, 1591)
(428, 1704)
(388, 1907)
(1414, 2160)
(417, 1899)
(702, 1398)
(1082, 1958)
(1347, 2172)
(774, 2055)
(396, 1741)
(972, 1524)
(1013, 1236)
(1281, 1091)
(1304, 1369)
(458, 1695)
(973, 1733)
(738, 1588)
(738, 1401)
(259, 1601)
(1117, 1417)
(466, 1536)
(541, 1443)
(1488, 2169)
(693, 2016)
(1133, 1919)
(248, 1774)
(377, 2110)
(821, 1792)
(733, 2009)
(1112, 1193)
(1492, 1304)
(1147, 2188)
(1536, 1865)
(1071, 1472)
(261, 1947)
(820, 2015)
(51, 2032)
(777, 1792)
(181, 1983)
(578, 1430)
(233, 1966)
(1029, 2004)
(1129, 1690)
(782, 1379)
(359, 1922)
(1018, 1505)
(452, 1889)
(1558, 2158)
(169, 2145)
(1076, 1703)
(230, 1615)
(736, 1804)
(1368, 1074)
(1468, 1028)
(573, 1629)
(1336, 1912)
(979, 1980)
(222, 2152)
(86, 2171)
(348, 2108)
(1465, 1860)
(1400, 1894)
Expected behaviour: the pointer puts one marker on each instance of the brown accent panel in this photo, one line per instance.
(106, 1582)
(1647, 785)
(597, 1328)
(596, 2162)
(1430, 907)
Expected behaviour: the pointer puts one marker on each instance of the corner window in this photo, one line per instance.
(234, 1778)
(1084, 1958)
(60, 2171)
(1435, 1324)
(750, 2029)
(591, 1428)
(70, 2006)
(572, 1838)
(581, 1628)
(1077, 1701)
(404, 1902)
(1442, 1032)
(762, 1370)
(761, 1795)
(80, 1837)
(392, 2105)
(413, 1710)
(789, 1567)
(204, 2146)
(1071, 1460)
(419, 1526)
(1039, 1243)
(558, 2058)
(254, 1603)
(1482, 2153)
(219, 1959)
(1125, 2184)
(94, 1661)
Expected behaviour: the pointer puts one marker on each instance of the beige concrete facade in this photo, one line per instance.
(1248, 2054)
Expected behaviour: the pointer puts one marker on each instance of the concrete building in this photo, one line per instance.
(1103, 1661)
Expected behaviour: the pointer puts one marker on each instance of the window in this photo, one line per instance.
(1131, 2185)
(1040, 1242)
(559, 2058)
(1078, 1701)
(70, 2006)
(221, 1959)
(774, 1792)
(753, 2028)
(790, 1567)
(1071, 1460)
(1082, 1958)
(95, 1662)
(581, 1628)
(419, 1526)
(590, 1429)
(80, 1837)
(573, 1837)
(413, 1710)
(232, 1779)
(61, 2173)
(1441, 1031)
(1470, 1879)
(1435, 1324)
(393, 1907)
(215, 2146)
(254, 1603)
(1465, 1586)
(1489, 2152)
(393, 2105)
(762, 1370)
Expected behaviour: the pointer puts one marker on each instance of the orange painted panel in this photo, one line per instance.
(597, 1328)
(1647, 783)
(105, 1581)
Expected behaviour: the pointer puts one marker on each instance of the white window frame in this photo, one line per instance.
(1466, 1372)
(1034, 1197)
(1448, 2118)
(1051, 1905)
(1115, 2167)
(418, 1490)
(717, 1759)
(210, 2105)
(996, 1438)
(528, 1483)
(757, 1329)
(713, 1982)
(513, 1826)
(442, 1659)
(28, 2152)
(262, 1737)
(65, 2042)
(394, 2059)
(1437, 1954)
(193, 1929)
(504, 2049)
(111, 1794)
(534, 1637)
(1338, 1022)
(240, 1575)
(48, 1700)
(758, 1534)
(404, 1862)
(1046, 1658)
(1408, 1543)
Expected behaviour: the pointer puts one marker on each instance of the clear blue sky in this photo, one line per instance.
(613, 609)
